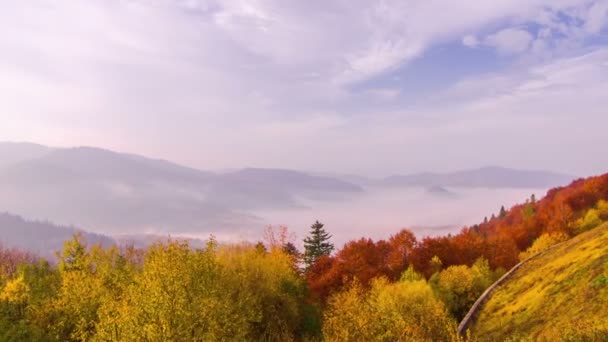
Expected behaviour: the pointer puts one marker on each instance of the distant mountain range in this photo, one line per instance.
(119, 193)
(115, 192)
(487, 177)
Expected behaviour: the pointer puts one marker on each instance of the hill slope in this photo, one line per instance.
(561, 294)
(42, 238)
(12, 153)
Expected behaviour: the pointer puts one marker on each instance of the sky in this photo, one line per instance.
(364, 87)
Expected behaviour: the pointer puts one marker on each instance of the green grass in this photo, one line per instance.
(559, 296)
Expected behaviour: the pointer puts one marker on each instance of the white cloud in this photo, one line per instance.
(158, 77)
(470, 41)
(597, 17)
(510, 41)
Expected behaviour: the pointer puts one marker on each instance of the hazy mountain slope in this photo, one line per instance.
(123, 193)
(560, 294)
(84, 164)
(488, 177)
(291, 180)
(255, 188)
(42, 238)
(12, 153)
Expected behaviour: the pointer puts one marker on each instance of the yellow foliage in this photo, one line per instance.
(460, 286)
(234, 293)
(593, 218)
(15, 291)
(457, 278)
(543, 242)
(555, 297)
(402, 311)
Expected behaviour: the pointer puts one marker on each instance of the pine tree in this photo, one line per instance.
(316, 244)
(291, 249)
(503, 212)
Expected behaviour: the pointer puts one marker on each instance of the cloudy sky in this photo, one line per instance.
(354, 86)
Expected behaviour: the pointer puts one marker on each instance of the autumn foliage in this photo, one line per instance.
(564, 211)
(399, 289)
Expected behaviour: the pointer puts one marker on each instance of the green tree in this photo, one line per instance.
(316, 244)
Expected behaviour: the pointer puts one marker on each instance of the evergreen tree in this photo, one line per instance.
(296, 257)
(503, 212)
(316, 244)
(291, 249)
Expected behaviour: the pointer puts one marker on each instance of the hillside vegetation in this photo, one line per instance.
(562, 294)
(398, 289)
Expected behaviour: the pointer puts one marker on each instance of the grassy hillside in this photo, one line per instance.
(561, 295)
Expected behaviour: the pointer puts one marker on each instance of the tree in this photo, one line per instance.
(460, 286)
(403, 311)
(292, 251)
(316, 244)
(503, 212)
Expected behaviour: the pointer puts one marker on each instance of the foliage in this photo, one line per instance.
(554, 297)
(543, 242)
(564, 212)
(368, 290)
(593, 218)
(169, 292)
(460, 286)
(401, 311)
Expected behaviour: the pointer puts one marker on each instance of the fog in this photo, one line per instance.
(118, 194)
(380, 212)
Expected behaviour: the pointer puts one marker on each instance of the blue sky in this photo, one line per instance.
(360, 86)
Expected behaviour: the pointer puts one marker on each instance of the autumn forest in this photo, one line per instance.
(403, 288)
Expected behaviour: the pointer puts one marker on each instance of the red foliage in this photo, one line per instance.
(499, 240)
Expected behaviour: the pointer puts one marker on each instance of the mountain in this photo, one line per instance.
(255, 188)
(487, 177)
(42, 238)
(124, 193)
(46, 238)
(12, 153)
(559, 295)
(85, 163)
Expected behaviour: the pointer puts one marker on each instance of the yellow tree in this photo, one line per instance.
(403, 311)
(460, 286)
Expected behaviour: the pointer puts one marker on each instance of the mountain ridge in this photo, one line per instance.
(489, 177)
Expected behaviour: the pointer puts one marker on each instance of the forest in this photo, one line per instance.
(403, 288)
